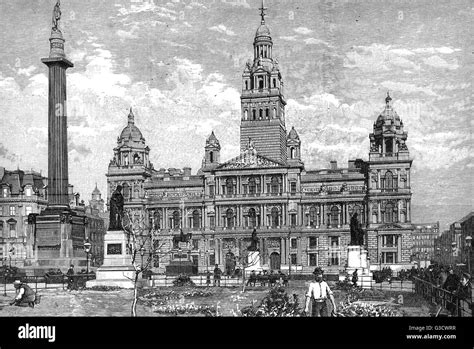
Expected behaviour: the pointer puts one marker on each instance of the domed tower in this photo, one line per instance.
(389, 192)
(262, 100)
(97, 202)
(131, 164)
(293, 144)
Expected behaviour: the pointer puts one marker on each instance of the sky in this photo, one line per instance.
(178, 63)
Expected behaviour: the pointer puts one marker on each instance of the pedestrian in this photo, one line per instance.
(217, 275)
(317, 296)
(464, 288)
(355, 278)
(452, 281)
(271, 279)
(442, 277)
(25, 296)
(252, 278)
(208, 278)
(71, 285)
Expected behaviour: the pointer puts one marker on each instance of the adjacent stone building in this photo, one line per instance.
(301, 215)
(424, 236)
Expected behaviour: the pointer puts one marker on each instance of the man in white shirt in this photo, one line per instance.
(25, 295)
(318, 294)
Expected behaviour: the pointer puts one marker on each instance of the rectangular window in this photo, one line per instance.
(212, 259)
(334, 241)
(293, 243)
(334, 258)
(293, 259)
(313, 259)
(5, 192)
(293, 187)
(313, 242)
(211, 190)
(195, 260)
(28, 191)
(28, 210)
(12, 210)
(212, 244)
(12, 229)
(195, 244)
(389, 257)
(389, 241)
(1, 228)
(212, 222)
(293, 219)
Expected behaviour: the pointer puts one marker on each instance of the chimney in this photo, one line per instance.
(187, 171)
(351, 164)
(333, 164)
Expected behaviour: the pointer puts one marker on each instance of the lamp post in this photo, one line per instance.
(468, 248)
(426, 258)
(438, 255)
(207, 260)
(87, 249)
(289, 254)
(179, 257)
(142, 254)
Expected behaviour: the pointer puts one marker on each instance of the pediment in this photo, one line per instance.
(250, 159)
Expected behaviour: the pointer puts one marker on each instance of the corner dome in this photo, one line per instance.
(131, 131)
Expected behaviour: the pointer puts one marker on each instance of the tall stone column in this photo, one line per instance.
(58, 178)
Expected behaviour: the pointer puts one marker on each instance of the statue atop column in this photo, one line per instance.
(357, 234)
(116, 209)
(254, 243)
(56, 16)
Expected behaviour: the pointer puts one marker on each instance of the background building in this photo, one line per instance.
(424, 236)
(302, 216)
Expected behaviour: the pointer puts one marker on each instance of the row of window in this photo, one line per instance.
(12, 210)
(6, 192)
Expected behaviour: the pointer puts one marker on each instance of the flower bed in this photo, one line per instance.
(104, 288)
(186, 309)
(361, 309)
(276, 303)
(159, 297)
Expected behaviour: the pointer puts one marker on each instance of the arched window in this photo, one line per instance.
(274, 113)
(211, 157)
(136, 158)
(229, 215)
(260, 83)
(196, 219)
(275, 217)
(260, 113)
(274, 82)
(292, 153)
(389, 145)
(125, 159)
(176, 221)
(389, 181)
(229, 186)
(157, 220)
(267, 113)
(334, 216)
(246, 85)
(313, 216)
(252, 218)
(252, 186)
(274, 186)
(357, 209)
(1, 230)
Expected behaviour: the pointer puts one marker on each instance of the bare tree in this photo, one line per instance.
(139, 242)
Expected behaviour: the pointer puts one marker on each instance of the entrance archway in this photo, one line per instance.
(275, 261)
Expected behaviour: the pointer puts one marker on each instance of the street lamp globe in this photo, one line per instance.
(468, 241)
(453, 246)
(87, 246)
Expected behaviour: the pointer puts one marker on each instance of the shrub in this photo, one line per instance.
(276, 303)
(183, 280)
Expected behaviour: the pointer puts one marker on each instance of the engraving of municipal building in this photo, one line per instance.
(301, 215)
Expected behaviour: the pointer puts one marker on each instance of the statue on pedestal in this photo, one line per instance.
(254, 243)
(56, 16)
(357, 234)
(116, 209)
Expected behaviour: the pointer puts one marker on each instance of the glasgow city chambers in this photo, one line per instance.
(301, 216)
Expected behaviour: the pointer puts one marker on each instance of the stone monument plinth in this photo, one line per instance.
(357, 259)
(117, 269)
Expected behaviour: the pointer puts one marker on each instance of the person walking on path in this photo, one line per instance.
(25, 296)
(355, 278)
(317, 296)
(71, 285)
(217, 275)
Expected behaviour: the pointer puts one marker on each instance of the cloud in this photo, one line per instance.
(438, 62)
(288, 38)
(303, 30)
(221, 28)
(313, 41)
(6, 154)
(26, 71)
(433, 50)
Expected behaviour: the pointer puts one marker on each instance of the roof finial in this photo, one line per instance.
(131, 117)
(388, 99)
(262, 12)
